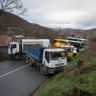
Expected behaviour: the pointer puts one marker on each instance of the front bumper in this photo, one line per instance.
(54, 70)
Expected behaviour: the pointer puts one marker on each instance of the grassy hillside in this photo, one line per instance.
(78, 77)
(11, 24)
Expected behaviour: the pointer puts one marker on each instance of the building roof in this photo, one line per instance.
(5, 40)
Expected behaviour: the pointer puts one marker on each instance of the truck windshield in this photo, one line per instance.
(57, 55)
(13, 46)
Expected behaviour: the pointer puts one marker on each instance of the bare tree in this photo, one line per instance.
(12, 6)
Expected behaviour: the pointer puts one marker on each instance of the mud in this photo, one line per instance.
(74, 68)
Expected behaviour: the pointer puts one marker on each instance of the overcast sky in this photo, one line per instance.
(80, 14)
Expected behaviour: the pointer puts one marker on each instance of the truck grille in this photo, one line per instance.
(61, 64)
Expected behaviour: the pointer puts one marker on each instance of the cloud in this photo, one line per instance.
(63, 13)
(68, 25)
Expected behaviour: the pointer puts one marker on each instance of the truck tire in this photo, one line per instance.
(17, 57)
(30, 62)
(27, 60)
(43, 70)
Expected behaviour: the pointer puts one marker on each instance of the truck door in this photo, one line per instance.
(13, 48)
(46, 59)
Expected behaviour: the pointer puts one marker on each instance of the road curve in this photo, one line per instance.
(19, 79)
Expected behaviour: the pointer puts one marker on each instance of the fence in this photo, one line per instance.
(3, 53)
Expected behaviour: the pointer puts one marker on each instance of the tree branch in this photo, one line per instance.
(13, 6)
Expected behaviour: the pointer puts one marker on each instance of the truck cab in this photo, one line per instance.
(54, 59)
(13, 48)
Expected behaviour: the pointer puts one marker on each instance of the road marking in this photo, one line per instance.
(13, 71)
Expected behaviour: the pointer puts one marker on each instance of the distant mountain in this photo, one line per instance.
(74, 32)
(67, 30)
(11, 24)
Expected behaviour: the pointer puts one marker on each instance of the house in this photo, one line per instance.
(4, 40)
(4, 43)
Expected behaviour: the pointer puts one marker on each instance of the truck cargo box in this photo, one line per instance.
(36, 53)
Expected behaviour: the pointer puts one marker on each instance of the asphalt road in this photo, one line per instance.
(19, 79)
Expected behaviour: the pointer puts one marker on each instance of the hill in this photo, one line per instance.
(11, 24)
(78, 77)
(93, 30)
(71, 32)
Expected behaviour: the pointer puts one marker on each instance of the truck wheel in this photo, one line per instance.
(17, 57)
(27, 60)
(43, 70)
(30, 62)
